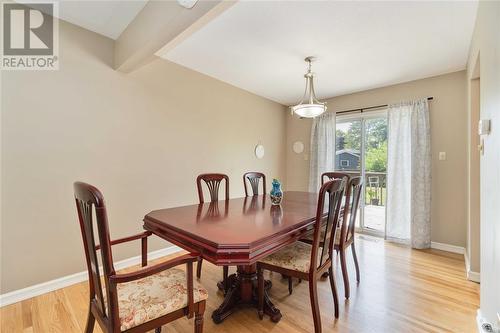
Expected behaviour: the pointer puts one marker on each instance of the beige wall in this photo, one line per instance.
(448, 116)
(141, 138)
(486, 46)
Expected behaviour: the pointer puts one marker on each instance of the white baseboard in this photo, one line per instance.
(471, 275)
(45, 287)
(448, 247)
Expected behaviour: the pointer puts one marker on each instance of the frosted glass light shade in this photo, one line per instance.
(308, 110)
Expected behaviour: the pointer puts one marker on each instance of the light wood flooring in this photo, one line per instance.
(401, 290)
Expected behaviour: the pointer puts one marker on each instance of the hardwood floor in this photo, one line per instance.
(401, 290)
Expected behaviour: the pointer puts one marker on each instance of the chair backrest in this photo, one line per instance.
(254, 180)
(213, 181)
(88, 200)
(332, 190)
(353, 194)
(333, 175)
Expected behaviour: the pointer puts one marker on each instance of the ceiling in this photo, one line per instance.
(259, 46)
(108, 18)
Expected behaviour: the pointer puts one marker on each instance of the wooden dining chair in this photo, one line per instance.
(213, 182)
(333, 175)
(254, 180)
(346, 226)
(141, 300)
(309, 261)
(345, 238)
(309, 238)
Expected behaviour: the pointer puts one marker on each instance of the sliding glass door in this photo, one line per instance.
(361, 150)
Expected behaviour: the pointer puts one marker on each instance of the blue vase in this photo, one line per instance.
(276, 193)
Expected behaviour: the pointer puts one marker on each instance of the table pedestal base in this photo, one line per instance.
(242, 291)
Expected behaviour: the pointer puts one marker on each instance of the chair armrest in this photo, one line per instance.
(151, 270)
(142, 235)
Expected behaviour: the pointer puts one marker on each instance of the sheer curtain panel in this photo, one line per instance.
(322, 157)
(409, 174)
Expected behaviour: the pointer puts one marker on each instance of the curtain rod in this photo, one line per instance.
(361, 110)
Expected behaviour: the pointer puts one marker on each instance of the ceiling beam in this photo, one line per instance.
(161, 25)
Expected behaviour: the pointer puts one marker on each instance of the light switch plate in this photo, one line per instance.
(442, 156)
(484, 127)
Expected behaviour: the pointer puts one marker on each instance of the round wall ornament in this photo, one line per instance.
(298, 147)
(259, 151)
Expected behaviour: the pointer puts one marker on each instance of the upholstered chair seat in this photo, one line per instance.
(296, 257)
(154, 296)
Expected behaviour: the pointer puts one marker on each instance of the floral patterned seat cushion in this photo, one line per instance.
(296, 257)
(154, 296)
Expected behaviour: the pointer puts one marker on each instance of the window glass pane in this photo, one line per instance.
(348, 150)
(348, 146)
(375, 173)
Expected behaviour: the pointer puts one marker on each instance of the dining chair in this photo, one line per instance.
(345, 238)
(213, 182)
(309, 238)
(309, 261)
(254, 180)
(346, 226)
(138, 301)
(333, 175)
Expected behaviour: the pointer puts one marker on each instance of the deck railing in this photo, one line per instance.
(375, 185)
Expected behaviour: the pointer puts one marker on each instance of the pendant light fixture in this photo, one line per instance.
(309, 106)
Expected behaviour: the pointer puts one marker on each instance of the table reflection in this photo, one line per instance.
(212, 211)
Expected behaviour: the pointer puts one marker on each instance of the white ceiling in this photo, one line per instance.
(260, 45)
(108, 18)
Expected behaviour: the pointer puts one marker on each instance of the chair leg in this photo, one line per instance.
(225, 274)
(355, 262)
(198, 318)
(198, 268)
(260, 283)
(89, 328)
(345, 276)
(158, 330)
(290, 285)
(334, 291)
(313, 294)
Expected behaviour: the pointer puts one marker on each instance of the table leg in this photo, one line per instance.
(242, 291)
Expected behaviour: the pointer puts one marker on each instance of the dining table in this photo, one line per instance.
(237, 232)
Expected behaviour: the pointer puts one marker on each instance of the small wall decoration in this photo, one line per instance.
(259, 151)
(298, 147)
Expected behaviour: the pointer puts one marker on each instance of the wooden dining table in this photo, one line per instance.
(237, 232)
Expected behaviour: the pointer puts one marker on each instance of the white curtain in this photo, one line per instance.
(322, 156)
(409, 174)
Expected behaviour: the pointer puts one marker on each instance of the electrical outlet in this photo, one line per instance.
(442, 156)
